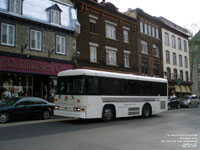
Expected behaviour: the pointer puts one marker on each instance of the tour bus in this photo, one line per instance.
(87, 94)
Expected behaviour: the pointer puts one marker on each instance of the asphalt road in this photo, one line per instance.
(172, 130)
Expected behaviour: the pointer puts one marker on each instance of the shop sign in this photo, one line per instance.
(31, 66)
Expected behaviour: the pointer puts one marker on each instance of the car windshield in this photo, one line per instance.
(10, 101)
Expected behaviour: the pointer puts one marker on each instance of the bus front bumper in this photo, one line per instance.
(69, 114)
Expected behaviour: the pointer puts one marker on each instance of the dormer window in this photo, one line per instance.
(15, 6)
(55, 14)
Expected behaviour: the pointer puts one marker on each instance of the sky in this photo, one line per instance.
(185, 13)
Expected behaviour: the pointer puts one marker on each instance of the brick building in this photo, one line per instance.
(38, 39)
(107, 40)
(149, 41)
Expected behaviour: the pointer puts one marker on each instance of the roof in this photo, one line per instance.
(87, 72)
(37, 11)
(174, 26)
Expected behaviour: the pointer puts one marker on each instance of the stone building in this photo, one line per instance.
(38, 39)
(107, 40)
(176, 58)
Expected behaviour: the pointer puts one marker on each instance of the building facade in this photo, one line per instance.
(107, 40)
(149, 43)
(176, 62)
(195, 63)
(38, 39)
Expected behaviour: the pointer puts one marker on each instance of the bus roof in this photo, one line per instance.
(87, 72)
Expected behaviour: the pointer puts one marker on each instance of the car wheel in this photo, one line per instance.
(46, 114)
(4, 117)
(146, 111)
(108, 113)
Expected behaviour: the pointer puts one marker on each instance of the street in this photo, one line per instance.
(171, 130)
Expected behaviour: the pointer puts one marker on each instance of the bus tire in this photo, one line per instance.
(108, 113)
(146, 110)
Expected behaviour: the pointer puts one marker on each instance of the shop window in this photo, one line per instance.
(15, 85)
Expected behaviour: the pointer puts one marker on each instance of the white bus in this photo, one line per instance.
(83, 93)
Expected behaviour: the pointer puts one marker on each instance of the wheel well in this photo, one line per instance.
(49, 109)
(148, 105)
(110, 105)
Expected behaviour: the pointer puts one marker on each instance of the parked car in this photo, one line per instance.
(189, 101)
(173, 102)
(25, 107)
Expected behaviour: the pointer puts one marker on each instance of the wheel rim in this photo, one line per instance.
(146, 112)
(46, 114)
(3, 117)
(108, 114)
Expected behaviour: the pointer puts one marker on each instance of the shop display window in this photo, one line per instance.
(15, 85)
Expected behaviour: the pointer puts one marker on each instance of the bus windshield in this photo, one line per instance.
(72, 85)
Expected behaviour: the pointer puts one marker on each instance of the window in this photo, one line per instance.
(7, 34)
(174, 59)
(180, 61)
(153, 31)
(125, 33)
(15, 6)
(141, 27)
(145, 28)
(166, 39)
(179, 44)
(149, 29)
(60, 44)
(144, 68)
(168, 73)
(111, 56)
(185, 46)
(155, 50)
(173, 41)
(156, 70)
(181, 75)
(55, 16)
(126, 58)
(175, 74)
(186, 76)
(167, 57)
(93, 52)
(186, 62)
(157, 34)
(36, 40)
(93, 20)
(144, 48)
(111, 31)
(92, 25)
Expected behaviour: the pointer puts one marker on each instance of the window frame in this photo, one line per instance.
(7, 34)
(144, 47)
(41, 42)
(52, 19)
(111, 30)
(64, 37)
(111, 56)
(126, 59)
(93, 48)
(167, 56)
(14, 9)
(166, 39)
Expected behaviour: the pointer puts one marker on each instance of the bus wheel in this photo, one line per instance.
(108, 113)
(146, 111)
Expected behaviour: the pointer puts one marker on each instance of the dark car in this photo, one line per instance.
(25, 107)
(189, 101)
(173, 102)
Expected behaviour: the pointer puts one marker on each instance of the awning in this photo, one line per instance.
(177, 88)
(187, 89)
(183, 90)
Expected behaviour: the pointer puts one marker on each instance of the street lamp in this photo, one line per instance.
(75, 58)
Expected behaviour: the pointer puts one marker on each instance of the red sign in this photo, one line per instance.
(31, 66)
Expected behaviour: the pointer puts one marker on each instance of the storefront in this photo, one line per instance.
(29, 77)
